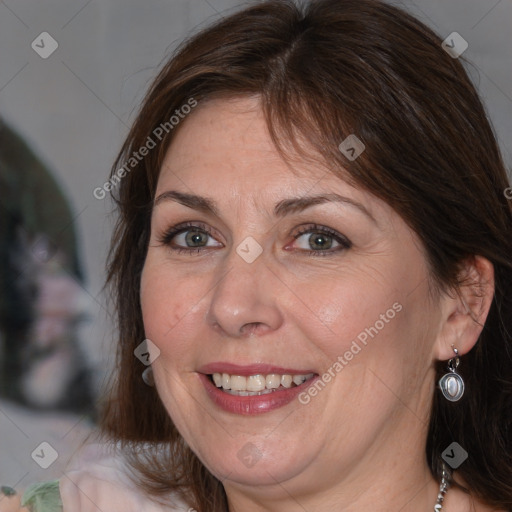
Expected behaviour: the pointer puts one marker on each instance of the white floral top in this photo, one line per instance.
(95, 481)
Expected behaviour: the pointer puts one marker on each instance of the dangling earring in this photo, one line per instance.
(451, 384)
(147, 377)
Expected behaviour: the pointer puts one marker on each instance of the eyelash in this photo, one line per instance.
(344, 242)
(167, 237)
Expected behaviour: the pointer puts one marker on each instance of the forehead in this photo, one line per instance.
(224, 153)
(226, 141)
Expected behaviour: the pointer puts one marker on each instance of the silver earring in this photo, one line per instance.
(147, 376)
(451, 384)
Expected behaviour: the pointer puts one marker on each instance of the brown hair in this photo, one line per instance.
(324, 70)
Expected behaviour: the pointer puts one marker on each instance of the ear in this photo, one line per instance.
(464, 312)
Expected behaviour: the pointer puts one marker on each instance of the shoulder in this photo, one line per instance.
(98, 480)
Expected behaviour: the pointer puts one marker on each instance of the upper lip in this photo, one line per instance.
(252, 369)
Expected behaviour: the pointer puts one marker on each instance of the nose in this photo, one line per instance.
(244, 302)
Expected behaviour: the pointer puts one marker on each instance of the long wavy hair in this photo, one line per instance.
(323, 70)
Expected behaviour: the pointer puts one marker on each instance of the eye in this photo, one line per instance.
(189, 237)
(321, 240)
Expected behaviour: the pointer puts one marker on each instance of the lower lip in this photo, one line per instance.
(256, 404)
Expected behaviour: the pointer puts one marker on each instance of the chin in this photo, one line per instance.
(253, 462)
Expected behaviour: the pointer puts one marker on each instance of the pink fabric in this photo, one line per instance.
(97, 481)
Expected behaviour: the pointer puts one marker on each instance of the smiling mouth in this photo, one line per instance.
(258, 384)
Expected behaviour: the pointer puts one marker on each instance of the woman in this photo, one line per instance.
(313, 253)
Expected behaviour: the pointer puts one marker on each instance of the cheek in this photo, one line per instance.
(167, 302)
(355, 306)
(367, 315)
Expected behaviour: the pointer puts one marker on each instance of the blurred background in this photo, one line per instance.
(72, 74)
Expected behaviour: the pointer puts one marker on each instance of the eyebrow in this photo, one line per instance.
(281, 209)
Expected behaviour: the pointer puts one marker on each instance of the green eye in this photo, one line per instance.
(195, 238)
(321, 241)
(189, 237)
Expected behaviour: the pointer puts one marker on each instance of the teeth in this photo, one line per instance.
(257, 384)
(249, 393)
(238, 383)
(299, 379)
(286, 381)
(272, 381)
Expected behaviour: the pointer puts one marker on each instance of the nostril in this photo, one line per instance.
(252, 328)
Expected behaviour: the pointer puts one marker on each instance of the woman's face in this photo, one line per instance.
(274, 273)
